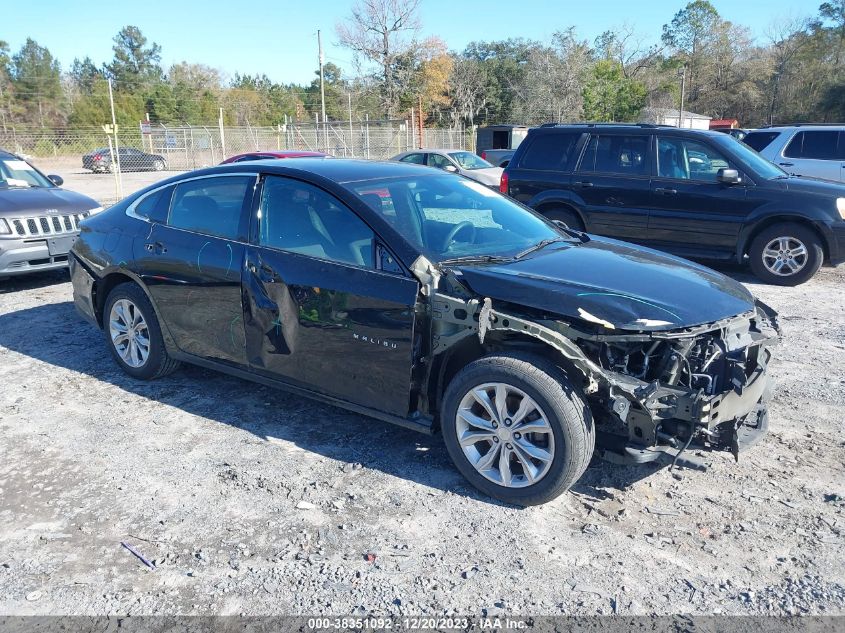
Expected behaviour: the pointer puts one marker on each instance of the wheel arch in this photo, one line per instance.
(751, 231)
(550, 206)
(447, 364)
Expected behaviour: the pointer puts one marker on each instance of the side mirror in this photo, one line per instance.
(728, 176)
(451, 169)
(56, 180)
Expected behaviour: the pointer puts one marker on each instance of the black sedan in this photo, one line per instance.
(435, 303)
(131, 159)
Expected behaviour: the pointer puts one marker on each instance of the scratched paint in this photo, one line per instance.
(199, 253)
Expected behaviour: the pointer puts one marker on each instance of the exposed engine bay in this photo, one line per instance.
(652, 393)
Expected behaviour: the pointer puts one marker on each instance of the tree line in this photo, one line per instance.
(794, 73)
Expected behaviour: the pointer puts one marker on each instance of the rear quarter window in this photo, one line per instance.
(154, 206)
(549, 151)
(758, 141)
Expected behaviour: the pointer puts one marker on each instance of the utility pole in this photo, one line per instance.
(420, 120)
(116, 158)
(683, 74)
(322, 83)
(351, 133)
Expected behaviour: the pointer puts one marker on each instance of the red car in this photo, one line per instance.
(239, 158)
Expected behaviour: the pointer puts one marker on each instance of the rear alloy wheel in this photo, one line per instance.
(158, 165)
(133, 334)
(516, 428)
(786, 254)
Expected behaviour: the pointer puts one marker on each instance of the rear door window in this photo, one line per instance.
(617, 154)
(814, 144)
(550, 151)
(212, 206)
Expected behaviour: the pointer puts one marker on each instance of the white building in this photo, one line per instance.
(668, 116)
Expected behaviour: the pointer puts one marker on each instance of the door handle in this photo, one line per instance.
(262, 271)
(665, 192)
(583, 184)
(787, 164)
(155, 247)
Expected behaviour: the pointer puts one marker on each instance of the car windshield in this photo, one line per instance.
(447, 217)
(15, 172)
(468, 160)
(760, 165)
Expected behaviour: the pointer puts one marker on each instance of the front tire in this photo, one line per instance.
(786, 254)
(133, 334)
(516, 428)
(158, 165)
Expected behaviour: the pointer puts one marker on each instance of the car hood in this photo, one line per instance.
(814, 186)
(489, 176)
(16, 201)
(618, 285)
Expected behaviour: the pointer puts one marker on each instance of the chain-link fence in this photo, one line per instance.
(168, 148)
(190, 147)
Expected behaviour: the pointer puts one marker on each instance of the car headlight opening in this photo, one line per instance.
(95, 211)
(840, 206)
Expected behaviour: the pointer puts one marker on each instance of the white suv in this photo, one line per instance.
(817, 151)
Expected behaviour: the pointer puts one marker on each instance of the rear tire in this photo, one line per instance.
(531, 467)
(786, 254)
(128, 320)
(570, 218)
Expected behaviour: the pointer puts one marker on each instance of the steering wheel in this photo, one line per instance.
(450, 237)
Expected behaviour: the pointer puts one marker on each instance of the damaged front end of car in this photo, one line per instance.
(653, 394)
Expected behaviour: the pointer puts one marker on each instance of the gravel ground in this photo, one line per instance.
(248, 500)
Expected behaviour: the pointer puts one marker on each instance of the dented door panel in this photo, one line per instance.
(344, 331)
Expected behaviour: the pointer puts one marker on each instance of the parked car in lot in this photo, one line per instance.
(38, 219)
(131, 159)
(247, 156)
(815, 151)
(433, 302)
(455, 161)
(695, 193)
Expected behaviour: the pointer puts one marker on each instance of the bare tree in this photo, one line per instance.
(467, 89)
(628, 47)
(787, 37)
(382, 32)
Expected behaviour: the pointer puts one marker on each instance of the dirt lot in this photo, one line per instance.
(249, 500)
(101, 187)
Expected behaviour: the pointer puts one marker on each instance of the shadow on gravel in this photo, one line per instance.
(33, 281)
(55, 334)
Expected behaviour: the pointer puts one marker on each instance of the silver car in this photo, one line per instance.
(814, 151)
(39, 220)
(456, 161)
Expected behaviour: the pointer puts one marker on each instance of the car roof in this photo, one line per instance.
(292, 153)
(5, 154)
(813, 127)
(644, 128)
(339, 170)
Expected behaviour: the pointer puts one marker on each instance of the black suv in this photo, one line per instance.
(695, 193)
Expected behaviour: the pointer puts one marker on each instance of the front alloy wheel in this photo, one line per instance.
(129, 332)
(505, 435)
(785, 256)
(516, 427)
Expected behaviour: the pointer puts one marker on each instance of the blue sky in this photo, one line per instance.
(279, 37)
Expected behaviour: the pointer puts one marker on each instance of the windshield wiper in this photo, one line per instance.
(472, 259)
(538, 246)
